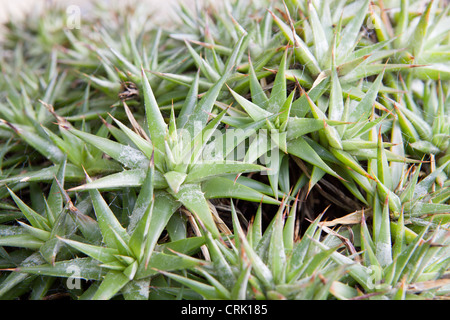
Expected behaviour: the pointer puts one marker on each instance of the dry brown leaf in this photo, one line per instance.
(351, 218)
(428, 285)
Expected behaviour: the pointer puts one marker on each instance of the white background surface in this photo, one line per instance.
(17, 8)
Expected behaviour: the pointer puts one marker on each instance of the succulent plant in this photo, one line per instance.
(250, 150)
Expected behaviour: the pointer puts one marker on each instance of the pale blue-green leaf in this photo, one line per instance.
(175, 180)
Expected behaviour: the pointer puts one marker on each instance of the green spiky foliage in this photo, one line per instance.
(251, 150)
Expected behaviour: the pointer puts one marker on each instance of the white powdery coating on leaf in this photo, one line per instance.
(383, 253)
(164, 195)
(192, 195)
(53, 152)
(135, 217)
(143, 286)
(132, 158)
(417, 207)
(138, 287)
(33, 260)
(211, 152)
(10, 231)
(420, 190)
(82, 268)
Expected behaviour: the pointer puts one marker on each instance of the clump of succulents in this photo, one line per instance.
(251, 150)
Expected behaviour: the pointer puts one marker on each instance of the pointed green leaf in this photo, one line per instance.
(107, 221)
(142, 204)
(239, 291)
(349, 36)
(300, 148)
(256, 112)
(203, 65)
(164, 207)
(321, 45)
(350, 162)
(145, 146)
(301, 50)
(35, 219)
(137, 239)
(201, 139)
(102, 254)
(43, 145)
(223, 269)
(175, 180)
(55, 197)
(113, 282)
(358, 272)
(128, 156)
(383, 170)
(364, 107)
(221, 187)
(85, 268)
(155, 121)
(418, 37)
(277, 254)
(423, 186)
(123, 179)
(285, 110)
(166, 262)
(208, 169)
(205, 290)
(36, 232)
(192, 197)
(383, 243)
(298, 127)
(23, 240)
(189, 103)
(278, 94)
(205, 105)
(259, 97)
(336, 107)
(131, 270)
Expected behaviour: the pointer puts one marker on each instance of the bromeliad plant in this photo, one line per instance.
(133, 155)
(127, 258)
(177, 149)
(265, 264)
